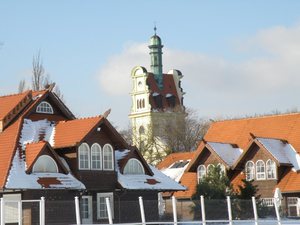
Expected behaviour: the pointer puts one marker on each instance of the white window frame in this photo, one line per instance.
(107, 147)
(271, 166)
(94, 148)
(88, 154)
(260, 175)
(87, 209)
(130, 167)
(209, 167)
(200, 176)
(101, 199)
(222, 169)
(250, 175)
(44, 107)
(44, 157)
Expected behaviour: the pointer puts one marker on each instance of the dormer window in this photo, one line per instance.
(271, 169)
(45, 164)
(134, 166)
(260, 170)
(44, 107)
(201, 172)
(249, 171)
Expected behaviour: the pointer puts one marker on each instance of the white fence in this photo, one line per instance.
(229, 221)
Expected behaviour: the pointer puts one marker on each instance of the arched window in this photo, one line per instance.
(260, 170)
(134, 166)
(249, 169)
(84, 156)
(108, 162)
(137, 104)
(222, 169)
(44, 107)
(210, 167)
(45, 164)
(201, 172)
(96, 162)
(143, 103)
(142, 130)
(271, 169)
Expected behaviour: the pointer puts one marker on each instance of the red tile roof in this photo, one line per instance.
(169, 88)
(32, 151)
(238, 131)
(70, 133)
(8, 143)
(10, 136)
(9, 102)
(188, 180)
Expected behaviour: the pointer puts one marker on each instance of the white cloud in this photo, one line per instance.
(266, 80)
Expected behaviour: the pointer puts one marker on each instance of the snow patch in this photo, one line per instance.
(282, 151)
(226, 152)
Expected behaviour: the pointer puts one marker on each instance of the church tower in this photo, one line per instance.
(157, 102)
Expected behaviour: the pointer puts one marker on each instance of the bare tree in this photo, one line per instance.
(38, 73)
(39, 79)
(184, 135)
(22, 86)
(180, 135)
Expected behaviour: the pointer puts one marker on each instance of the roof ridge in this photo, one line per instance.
(88, 117)
(258, 117)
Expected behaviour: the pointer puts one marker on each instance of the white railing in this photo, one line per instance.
(203, 221)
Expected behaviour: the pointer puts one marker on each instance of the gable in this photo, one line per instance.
(60, 111)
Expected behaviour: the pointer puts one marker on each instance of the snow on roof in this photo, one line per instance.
(33, 131)
(227, 152)
(175, 173)
(158, 181)
(282, 151)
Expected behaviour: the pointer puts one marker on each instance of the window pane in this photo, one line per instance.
(96, 156)
(84, 156)
(45, 164)
(44, 107)
(133, 166)
(108, 157)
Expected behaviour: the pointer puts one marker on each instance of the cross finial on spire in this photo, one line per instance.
(155, 28)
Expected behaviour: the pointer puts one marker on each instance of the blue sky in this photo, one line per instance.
(237, 57)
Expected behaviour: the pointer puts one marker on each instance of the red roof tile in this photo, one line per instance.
(169, 88)
(32, 151)
(70, 133)
(9, 102)
(188, 180)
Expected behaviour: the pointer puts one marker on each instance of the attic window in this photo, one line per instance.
(44, 107)
(134, 166)
(45, 164)
(179, 164)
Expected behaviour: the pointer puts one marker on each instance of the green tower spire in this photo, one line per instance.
(156, 58)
